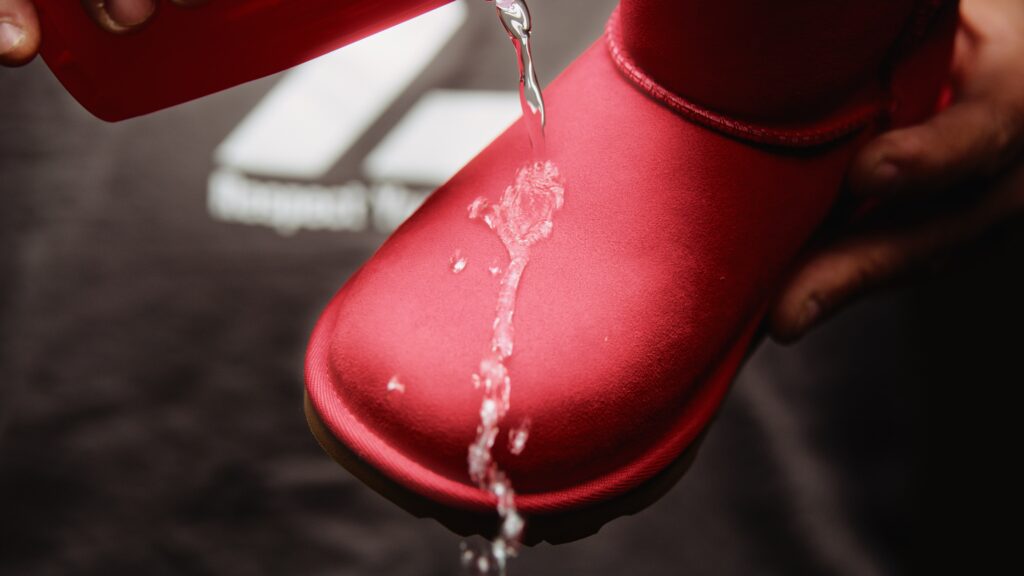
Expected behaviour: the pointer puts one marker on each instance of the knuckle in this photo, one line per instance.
(908, 147)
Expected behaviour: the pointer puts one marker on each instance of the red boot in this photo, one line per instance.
(700, 145)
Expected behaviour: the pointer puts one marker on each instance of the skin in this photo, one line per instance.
(19, 25)
(936, 186)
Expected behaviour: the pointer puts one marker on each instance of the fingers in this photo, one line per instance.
(119, 15)
(973, 146)
(975, 138)
(969, 140)
(19, 23)
(19, 32)
(831, 278)
(840, 273)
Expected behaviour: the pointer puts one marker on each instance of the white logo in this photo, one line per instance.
(271, 167)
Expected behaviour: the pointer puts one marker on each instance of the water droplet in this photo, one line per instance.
(394, 385)
(477, 207)
(494, 268)
(517, 438)
(458, 262)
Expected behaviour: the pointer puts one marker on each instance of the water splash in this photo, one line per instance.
(522, 217)
(476, 207)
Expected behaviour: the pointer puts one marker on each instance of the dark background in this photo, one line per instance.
(151, 374)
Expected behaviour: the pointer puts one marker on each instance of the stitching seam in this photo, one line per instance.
(825, 132)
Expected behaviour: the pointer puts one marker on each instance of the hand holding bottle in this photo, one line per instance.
(19, 26)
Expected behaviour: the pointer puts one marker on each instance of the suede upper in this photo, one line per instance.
(632, 318)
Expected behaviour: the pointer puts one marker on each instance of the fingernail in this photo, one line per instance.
(810, 311)
(11, 36)
(130, 12)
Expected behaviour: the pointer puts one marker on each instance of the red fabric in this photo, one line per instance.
(780, 61)
(852, 117)
(632, 318)
(183, 53)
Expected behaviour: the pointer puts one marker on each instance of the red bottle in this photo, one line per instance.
(183, 53)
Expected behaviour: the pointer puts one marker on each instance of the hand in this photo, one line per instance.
(19, 25)
(940, 184)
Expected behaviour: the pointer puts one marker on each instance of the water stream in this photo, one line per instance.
(522, 217)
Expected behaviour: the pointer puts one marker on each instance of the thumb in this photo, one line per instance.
(19, 32)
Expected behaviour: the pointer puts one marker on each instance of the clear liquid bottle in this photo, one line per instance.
(184, 52)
